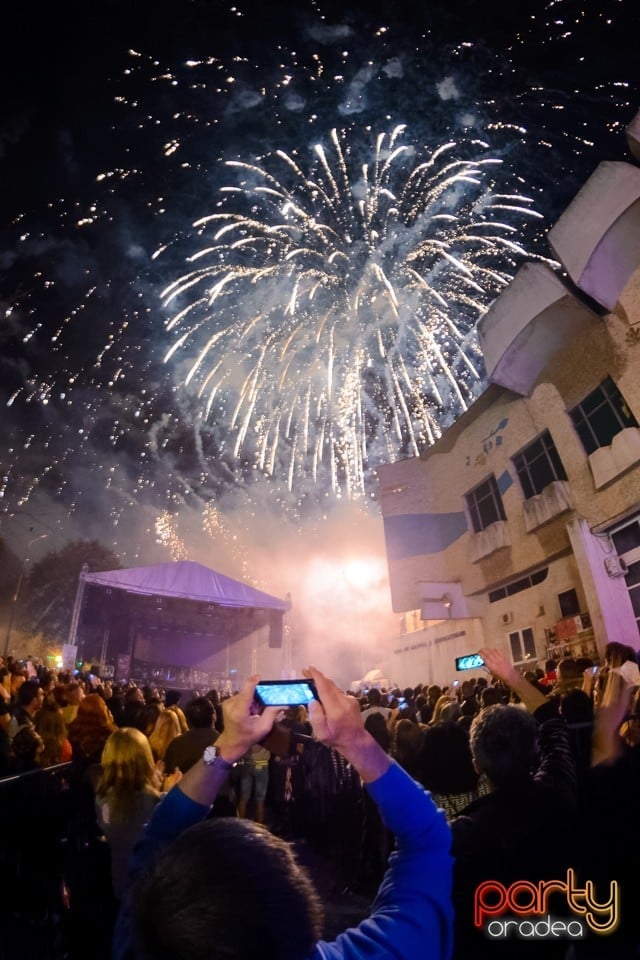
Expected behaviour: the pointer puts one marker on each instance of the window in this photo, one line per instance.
(485, 504)
(538, 465)
(601, 415)
(522, 645)
(569, 604)
(517, 586)
(626, 540)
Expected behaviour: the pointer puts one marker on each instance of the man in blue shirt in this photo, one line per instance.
(225, 888)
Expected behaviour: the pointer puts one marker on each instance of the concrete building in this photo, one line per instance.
(520, 527)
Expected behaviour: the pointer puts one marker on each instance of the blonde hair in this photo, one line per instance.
(166, 729)
(127, 768)
(441, 704)
(179, 712)
(300, 714)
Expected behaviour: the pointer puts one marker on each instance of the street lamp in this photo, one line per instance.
(14, 599)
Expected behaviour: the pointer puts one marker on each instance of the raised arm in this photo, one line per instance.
(606, 741)
(413, 907)
(337, 722)
(501, 667)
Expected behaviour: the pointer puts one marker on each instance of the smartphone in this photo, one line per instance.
(594, 670)
(286, 693)
(456, 683)
(470, 662)
(402, 703)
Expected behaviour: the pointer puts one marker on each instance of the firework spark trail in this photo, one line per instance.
(94, 424)
(352, 289)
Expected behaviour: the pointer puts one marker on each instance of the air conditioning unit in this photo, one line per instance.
(615, 566)
(507, 618)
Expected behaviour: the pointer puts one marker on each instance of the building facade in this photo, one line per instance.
(520, 527)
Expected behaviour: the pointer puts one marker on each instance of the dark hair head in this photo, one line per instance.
(226, 888)
(584, 663)
(149, 693)
(134, 695)
(199, 713)
(489, 697)
(376, 725)
(25, 747)
(550, 666)
(618, 653)
(28, 692)
(503, 743)
(469, 707)
(375, 697)
(467, 689)
(576, 707)
(172, 697)
(407, 742)
(420, 701)
(444, 761)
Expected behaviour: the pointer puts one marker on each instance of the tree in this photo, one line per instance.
(51, 588)
(9, 572)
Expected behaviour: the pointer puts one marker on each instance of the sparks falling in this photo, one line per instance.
(331, 315)
(332, 324)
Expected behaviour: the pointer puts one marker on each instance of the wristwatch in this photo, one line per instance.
(213, 757)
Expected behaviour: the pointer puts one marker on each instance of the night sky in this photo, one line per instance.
(116, 127)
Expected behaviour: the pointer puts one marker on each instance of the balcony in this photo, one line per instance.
(608, 463)
(494, 537)
(554, 500)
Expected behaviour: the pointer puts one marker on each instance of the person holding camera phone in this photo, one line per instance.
(224, 888)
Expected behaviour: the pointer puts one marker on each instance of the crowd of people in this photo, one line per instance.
(534, 773)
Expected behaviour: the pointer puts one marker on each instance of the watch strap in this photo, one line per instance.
(212, 757)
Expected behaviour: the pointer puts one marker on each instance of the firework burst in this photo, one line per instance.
(331, 315)
(330, 326)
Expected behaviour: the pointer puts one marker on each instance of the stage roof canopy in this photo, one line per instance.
(187, 580)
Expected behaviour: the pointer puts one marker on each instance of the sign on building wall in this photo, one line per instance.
(428, 655)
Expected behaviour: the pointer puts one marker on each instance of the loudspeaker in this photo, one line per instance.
(276, 628)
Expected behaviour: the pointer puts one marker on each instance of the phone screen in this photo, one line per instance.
(286, 693)
(471, 662)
